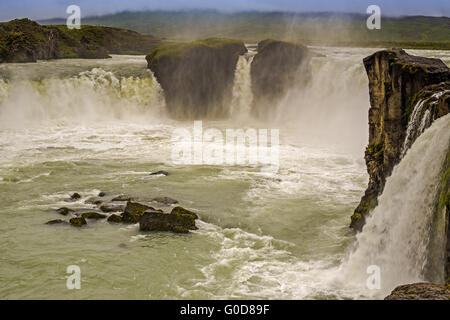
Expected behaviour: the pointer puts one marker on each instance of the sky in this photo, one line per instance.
(44, 9)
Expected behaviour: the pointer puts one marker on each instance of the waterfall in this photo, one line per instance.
(242, 88)
(420, 120)
(396, 236)
(91, 96)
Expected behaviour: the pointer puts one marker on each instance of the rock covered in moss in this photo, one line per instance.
(78, 222)
(181, 210)
(93, 216)
(420, 291)
(277, 67)
(133, 212)
(114, 218)
(156, 221)
(197, 77)
(395, 79)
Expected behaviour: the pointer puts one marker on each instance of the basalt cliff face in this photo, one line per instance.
(277, 67)
(23, 40)
(197, 77)
(407, 93)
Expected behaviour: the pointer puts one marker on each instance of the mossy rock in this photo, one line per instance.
(133, 212)
(163, 222)
(78, 222)
(114, 218)
(75, 196)
(181, 210)
(93, 216)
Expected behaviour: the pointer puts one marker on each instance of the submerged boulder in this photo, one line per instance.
(397, 83)
(277, 67)
(64, 211)
(197, 77)
(157, 221)
(420, 291)
(57, 222)
(159, 173)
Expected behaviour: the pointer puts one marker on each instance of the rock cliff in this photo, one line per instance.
(23, 40)
(406, 94)
(197, 77)
(277, 67)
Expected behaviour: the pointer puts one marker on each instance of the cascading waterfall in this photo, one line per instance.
(420, 120)
(91, 96)
(242, 88)
(397, 234)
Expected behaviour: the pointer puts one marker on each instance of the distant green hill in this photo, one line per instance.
(323, 28)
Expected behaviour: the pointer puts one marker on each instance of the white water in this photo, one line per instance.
(260, 236)
(420, 120)
(397, 234)
(242, 89)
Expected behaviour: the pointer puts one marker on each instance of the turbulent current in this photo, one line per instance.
(100, 125)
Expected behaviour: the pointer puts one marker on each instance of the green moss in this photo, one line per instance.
(177, 50)
(78, 222)
(93, 215)
(181, 210)
(114, 218)
(375, 150)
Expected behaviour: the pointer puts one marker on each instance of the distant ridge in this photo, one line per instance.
(320, 27)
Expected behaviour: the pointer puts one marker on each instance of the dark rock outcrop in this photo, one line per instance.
(277, 67)
(397, 81)
(23, 40)
(197, 77)
(133, 212)
(420, 291)
(156, 221)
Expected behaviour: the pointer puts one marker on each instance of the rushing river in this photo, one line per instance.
(100, 125)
